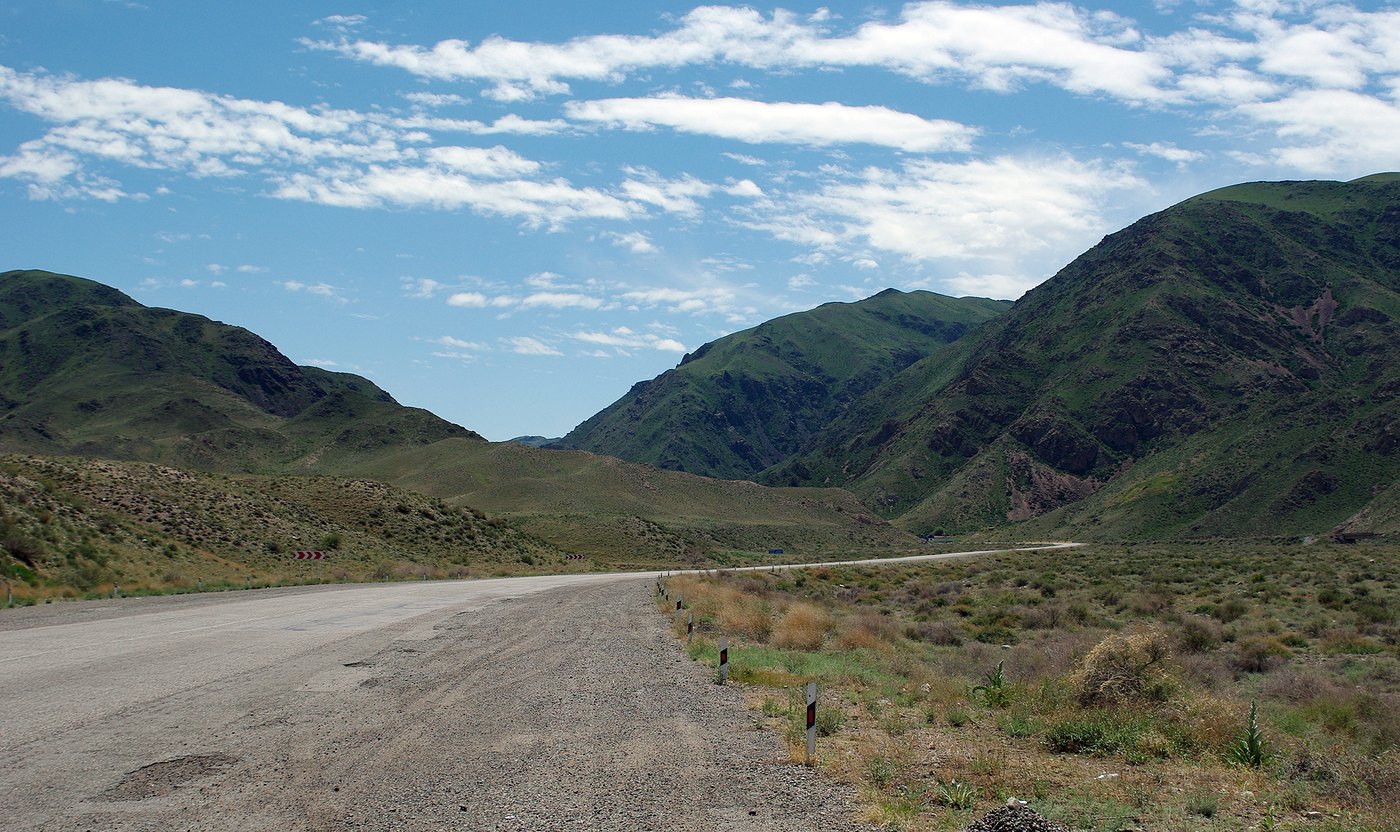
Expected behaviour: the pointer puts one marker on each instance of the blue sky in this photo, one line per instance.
(509, 213)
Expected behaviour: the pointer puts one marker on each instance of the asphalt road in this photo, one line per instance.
(521, 703)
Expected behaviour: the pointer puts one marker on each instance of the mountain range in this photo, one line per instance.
(1226, 367)
(87, 373)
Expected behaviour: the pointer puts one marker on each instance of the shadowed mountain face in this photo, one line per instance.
(84, 369)
(753, 399)
(1227, 366)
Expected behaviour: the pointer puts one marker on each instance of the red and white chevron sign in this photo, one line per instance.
(308, 555)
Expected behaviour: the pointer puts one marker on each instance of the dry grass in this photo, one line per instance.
(802, 627)
(1124, 681)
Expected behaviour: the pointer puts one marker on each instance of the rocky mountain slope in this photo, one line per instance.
(1224, 367)
(753, 399)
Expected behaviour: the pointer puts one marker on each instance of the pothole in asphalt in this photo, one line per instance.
(160, 779)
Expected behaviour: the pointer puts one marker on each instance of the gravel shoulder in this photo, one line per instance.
(570, 708)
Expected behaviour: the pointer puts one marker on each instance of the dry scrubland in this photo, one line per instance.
(1109, 686)
(77, 527)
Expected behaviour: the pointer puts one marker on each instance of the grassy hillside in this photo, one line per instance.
(1223, 368)
(613, 509)
(86, 370)
(753, 399)
(80, 526)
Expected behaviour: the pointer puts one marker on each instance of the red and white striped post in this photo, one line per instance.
(723, 660)
(811, 721)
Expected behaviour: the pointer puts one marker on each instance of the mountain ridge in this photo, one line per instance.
(1213, 328)
(748, 400)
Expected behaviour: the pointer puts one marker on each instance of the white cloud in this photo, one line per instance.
(525, 345)
(551, 204)
(420, 287)
(1326, 131)
(624, 338)
(459, 344)
(996, 47)
(712, 299)
(1168, 151)
(1007, 287)
(560, 300)
(435, 99)
(674, 196)
(635, 241)
(248, 268)
(473, 300)
(994, 212)
(505, 125)
(321, 289)
(215, 268)
(758, 122)
(751, 161)
(332, 157)
(320, 362)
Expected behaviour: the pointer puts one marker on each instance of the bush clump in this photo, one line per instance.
(1126, 668)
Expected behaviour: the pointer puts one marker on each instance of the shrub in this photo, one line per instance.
(945, 633)
(1259, 655)
(1126, 667)
(803, 627)
(1199, 634)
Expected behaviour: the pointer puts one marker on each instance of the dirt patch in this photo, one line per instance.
(159, 779)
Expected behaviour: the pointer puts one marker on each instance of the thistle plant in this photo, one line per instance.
(1250, 749)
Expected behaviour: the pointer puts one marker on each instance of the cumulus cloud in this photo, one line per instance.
(757, 122)
(999, 211)
(471, 300)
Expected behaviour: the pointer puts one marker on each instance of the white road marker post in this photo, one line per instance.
(679, 599)
(9, 594)
(811, 721)
(723, 660)
(689, 626)
(116, 591)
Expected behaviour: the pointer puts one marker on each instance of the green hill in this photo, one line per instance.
(751, 400)
(86, 370)
(1224, 367)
